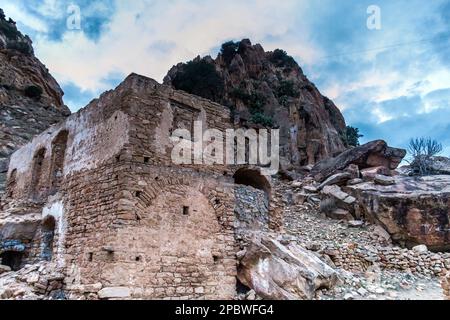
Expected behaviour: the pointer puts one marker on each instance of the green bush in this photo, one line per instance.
(20, 46)
(34, 92)
(9, 29)
(240, 94)
(2, 15)
(287, 88)
(280, 58)
(229, 50)
(351, 137)
(262, 119)
(284, 101)
(200, 78)
(254, 102)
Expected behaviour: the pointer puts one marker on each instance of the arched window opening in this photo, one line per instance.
(12, 183)
(59, 146)
(38, 162)
(48, 235)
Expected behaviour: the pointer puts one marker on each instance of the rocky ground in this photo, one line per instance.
(316, 232)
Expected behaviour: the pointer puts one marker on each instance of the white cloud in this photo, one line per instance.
(19, 14)
(130, 40)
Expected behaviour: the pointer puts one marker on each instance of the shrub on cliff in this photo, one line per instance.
(229, 50)
(422, 151)
(9, 29)
(200, 78)
(287, 89)
(280, 58)
(20, 46)
(34, 92)
(262, 119)
(351, 137)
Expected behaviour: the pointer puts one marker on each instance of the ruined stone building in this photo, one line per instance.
(99, 195)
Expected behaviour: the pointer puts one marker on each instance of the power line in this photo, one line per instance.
(392, 46)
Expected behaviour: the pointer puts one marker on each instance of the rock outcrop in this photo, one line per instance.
(30, 98)
(268, 89)
(373, 154)
(283, 272)
(414, 210)
(440, 165)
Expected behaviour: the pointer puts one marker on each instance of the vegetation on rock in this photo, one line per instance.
(351, 137)
(280, 58)
(262, 119)
(9, 29)
(422, 151)
(229, 50)
(200, 78)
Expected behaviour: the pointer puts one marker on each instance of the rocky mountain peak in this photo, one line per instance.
(11, 38)
(267, 89)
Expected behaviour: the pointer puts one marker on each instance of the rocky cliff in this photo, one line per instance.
(30, 98)
(267, 89)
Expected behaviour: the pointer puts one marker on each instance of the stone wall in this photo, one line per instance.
(358, 258)
(129, 223)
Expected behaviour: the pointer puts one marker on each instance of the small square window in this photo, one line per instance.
(185, 211)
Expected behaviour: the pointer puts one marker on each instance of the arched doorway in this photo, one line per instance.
(47, 237)
(12, 259)
(252, 195)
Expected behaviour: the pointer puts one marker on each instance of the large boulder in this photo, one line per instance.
(373, 154)
(278, 272)
(440, 165)
(414, 210)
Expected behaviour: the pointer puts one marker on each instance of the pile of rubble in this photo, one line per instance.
(33, 282)
(359, 214)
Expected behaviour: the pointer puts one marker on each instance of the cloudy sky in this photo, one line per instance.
(393, 83)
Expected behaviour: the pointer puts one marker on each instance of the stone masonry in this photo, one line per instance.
(99, 195)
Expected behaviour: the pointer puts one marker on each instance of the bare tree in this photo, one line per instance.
(422, 151)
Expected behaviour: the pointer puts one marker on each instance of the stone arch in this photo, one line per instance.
(179, 230)
(47, 237)
(253, 177)
(38, 162)
(264, 214)
(59, 146)
(145, 196)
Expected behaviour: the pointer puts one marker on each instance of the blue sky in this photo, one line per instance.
(392, 83)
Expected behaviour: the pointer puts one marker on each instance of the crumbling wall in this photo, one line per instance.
(128, 221)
